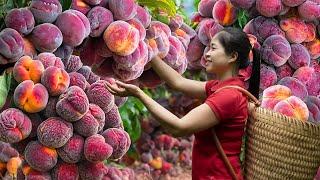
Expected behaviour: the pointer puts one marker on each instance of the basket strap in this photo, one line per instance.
(215, 137)
(224, 156)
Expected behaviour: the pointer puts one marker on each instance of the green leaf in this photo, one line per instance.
(5, 82)
(167, 6)
(242, 18)
(136, 130)
(66, 4)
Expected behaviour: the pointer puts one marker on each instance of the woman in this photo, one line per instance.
(226, 111)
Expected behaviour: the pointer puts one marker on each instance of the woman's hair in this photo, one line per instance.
(235, 40)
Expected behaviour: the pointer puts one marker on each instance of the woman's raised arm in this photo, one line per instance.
(176, 81)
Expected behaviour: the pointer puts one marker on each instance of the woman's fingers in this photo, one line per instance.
(122, 84)
(111, 91)
(113, 88)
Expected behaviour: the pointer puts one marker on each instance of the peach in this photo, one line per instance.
(64, 52)
(123, 9)
(89, 52)
(293, 107)
(46, 37)
(114, 173)
(77, 79)
(268, 76)
(309, 10)
(127, 75)
(313, 48)
(40, 157)
(207, 29)
(245, 4)
(73, 104)
(54, 132)
(72, 151)
(87, 125)
(73, 33)
(311, 32)
(195, 50)
(189, 30)
(30, 97)
(295, 29)
(274, 94)
(92, 171)
(45, 11)
(29, 49)
(7, 152)
(156, 28)
(100, 18)
(263, 27)
(56, 80)
(99, 95)
(135, 60)
(96, 149)
(270, 9)
(276, 50)
(196, 18)
(21, 20)
(64, 171)
(81, 6)
(119, 140)
(139, 26)
(11, 45)
(313, 104)
(49, 59)
(163, 45)
(176, 53)
(143, 16)
(15, 125)
(50, 109)
(224, 12)
(310, 78)
(123, 43)
(175, 22)
(299, 56)
(27, 69)
(113, 118)
(284, 71)
(98, 114)
(205, 7)
(73, 64)
(183, 37)
(298, 89)
(315, 64)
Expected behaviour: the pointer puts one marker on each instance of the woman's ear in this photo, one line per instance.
(233, 57)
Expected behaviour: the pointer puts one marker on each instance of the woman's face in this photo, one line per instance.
(217, 61)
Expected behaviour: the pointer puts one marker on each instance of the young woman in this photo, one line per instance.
(226, 111)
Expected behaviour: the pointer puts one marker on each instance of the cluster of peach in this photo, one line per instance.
(124, 38)
(63, 120)
(287, 34)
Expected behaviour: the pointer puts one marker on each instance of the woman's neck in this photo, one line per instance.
(226, 75)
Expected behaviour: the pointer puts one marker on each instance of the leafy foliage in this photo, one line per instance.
(5, 86)
(242, 18)
(66, 4)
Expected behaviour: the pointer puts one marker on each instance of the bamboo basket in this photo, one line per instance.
(279, 147)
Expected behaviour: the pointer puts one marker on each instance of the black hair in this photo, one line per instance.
(235, 40)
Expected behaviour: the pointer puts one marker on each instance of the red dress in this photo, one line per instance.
(230, 107)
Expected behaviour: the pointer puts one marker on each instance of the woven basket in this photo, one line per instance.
(279, 147)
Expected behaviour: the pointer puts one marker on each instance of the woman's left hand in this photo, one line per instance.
(123, 89)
